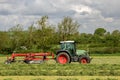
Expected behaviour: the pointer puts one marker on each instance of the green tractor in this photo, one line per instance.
(68, 54)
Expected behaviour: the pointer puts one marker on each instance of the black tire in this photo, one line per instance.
(63, 58)
(84, 59)
(27, 61)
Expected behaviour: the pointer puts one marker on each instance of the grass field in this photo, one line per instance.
(59, 77)
(100, 68)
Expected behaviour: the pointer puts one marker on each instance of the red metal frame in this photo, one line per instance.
(31, 56)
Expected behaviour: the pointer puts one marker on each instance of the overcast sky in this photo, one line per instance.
(91, 14)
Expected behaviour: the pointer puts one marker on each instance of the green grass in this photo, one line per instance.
(114, 54)
(59, 77)
(99, 66)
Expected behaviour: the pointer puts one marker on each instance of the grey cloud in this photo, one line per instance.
(90, 13)
(108, 8)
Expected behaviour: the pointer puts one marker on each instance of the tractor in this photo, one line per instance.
(68, 54)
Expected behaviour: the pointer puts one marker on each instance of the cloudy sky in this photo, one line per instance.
(91, 14)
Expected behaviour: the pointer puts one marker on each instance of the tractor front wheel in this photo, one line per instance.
(84, 60)
(63, 58)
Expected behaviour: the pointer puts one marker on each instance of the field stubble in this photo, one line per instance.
(99, 66)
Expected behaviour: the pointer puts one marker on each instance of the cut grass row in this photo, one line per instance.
(60, 70)
(98, 67)
(59, 77)
(95, 60)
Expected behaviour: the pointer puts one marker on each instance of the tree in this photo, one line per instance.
(5, 44)
(99, 35)
(17, 37)
(113, 39)
(116, 33)
(84, 38)
(116, 37)
(30, 39)
(67, 27)
(100, 31)
(44, 34)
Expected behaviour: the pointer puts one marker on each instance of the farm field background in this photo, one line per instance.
(100, 68)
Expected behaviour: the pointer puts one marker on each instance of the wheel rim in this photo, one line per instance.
(62, 59)
(83, 61)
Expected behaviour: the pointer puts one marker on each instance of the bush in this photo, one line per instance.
(104, 50)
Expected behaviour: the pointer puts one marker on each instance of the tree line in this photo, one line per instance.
(43, 36)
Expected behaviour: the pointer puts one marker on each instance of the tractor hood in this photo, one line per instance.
(81, 52)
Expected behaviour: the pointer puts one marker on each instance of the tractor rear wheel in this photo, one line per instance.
(84, 60)
(63, 58)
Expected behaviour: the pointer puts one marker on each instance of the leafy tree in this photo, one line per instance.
(113, 39)
(67, 27)
(17, 37)
(45, 34)
(116, 33)
(99, 35)
(5, 44)
(30, 39)
(116, 37)
(100, 31)
(84, 38)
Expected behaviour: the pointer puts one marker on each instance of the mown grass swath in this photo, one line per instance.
(60, 70)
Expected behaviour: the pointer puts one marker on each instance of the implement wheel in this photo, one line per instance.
(7, 62)
(63, 58)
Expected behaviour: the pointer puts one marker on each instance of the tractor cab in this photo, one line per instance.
(68, 53)
(68, 46)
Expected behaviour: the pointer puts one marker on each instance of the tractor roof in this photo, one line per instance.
(67, 41)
